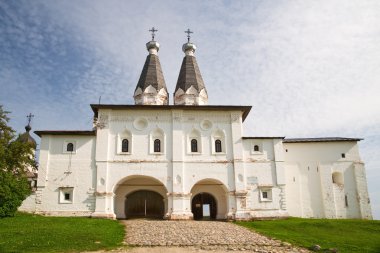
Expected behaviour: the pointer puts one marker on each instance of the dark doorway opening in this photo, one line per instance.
(144, 204)
(204, 204)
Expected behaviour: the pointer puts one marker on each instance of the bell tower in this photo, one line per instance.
(190, 89)
(151, 87)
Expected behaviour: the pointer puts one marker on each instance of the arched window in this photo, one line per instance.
(256, 148)
(218, 146)
(125, 145)
(157, 145)
(194, 145)
(70, 147)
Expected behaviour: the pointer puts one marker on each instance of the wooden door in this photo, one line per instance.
(144, 203)
(197, 205)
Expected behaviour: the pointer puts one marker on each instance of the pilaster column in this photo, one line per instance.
(239, 171)
(362, 190)
(282, 198)
(241, 206)
(179, 201)
(231, 205)
(181, 206)
(103, 198)
(280, 171)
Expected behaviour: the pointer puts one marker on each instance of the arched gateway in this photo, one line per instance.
(209, 200)
(144, 203)
(204, 206)
(140, 196)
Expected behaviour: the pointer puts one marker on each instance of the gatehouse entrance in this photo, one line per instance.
(203, 206)
(209, 200)
(144, 203)
(140, 196)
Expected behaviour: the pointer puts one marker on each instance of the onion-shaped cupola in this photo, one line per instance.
(190, 88)
(25, 137)
(151, 87)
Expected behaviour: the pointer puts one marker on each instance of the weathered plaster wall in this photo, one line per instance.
(59, 169)
(263, 173)
(310, 188)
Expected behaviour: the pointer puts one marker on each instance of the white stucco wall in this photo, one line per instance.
(297, 177)
(261, 174)
(176, 167)
(59, 169)
(310, 190)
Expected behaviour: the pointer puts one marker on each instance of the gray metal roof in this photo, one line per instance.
(322, 139)
(151, 74)
(245, 109)
(65, 132)
(190, 75)
(262, 137)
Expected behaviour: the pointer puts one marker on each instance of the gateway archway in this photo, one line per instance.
(204, 206)
(144, 203)
(209, 200)
(140, 196)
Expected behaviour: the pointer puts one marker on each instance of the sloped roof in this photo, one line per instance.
(190, 75)
(151, 74)
(26, 138)
(323, 139)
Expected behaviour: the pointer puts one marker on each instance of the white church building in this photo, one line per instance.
(191, 160)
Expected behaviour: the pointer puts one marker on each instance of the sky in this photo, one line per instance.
(308, 68)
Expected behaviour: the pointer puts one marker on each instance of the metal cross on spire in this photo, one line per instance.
(153, 30)
(30, 116)
(188, 34)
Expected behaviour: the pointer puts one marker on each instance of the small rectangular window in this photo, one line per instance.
(266, 194)
(343, 155)
(66, 195)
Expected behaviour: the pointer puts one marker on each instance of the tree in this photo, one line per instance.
(15, 157)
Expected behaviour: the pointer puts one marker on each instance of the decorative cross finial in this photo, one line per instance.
(30, 116)
(188, 34)
(153, 30)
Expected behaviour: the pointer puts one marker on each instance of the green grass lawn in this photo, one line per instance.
(345, 235)
(34, 233)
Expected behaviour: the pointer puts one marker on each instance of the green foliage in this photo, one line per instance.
(15, 157)
(13, 190)
(345, 235)
(35, 233)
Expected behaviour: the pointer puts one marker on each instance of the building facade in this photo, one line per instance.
(191, 160)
